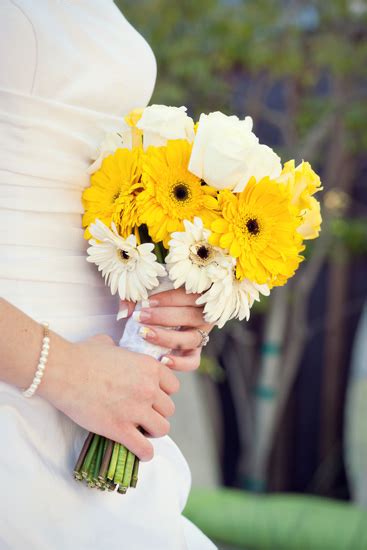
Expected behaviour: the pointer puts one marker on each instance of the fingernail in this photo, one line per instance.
(123, 313)
(149, 303)
(146, 332)
(166, 360)
(140, 316)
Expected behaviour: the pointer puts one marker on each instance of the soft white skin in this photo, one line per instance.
(100, 386)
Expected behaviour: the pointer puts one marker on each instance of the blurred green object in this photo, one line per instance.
(277, 522)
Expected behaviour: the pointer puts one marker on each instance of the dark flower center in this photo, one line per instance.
(253, 226)
(124, 255)
(203, 252)
(181, 192)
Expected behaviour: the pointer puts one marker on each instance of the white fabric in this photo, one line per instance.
(69, 69)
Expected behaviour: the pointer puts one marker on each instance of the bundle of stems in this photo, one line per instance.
(106, 465)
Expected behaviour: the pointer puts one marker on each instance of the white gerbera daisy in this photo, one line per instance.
(229, 298)
(128, 268)
(192, 260)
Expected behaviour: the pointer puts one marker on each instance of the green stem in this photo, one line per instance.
(113, 462)
(120, 466)
(160, 252)
(99, 454)
(134, 476)
(128, 470)
(106, 460)
(91, 469)
(83, 452)
(90, 454)
(110, 486)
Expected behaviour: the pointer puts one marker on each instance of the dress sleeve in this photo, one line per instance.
(18, 48)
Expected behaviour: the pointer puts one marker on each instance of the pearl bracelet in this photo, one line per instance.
(41, 364)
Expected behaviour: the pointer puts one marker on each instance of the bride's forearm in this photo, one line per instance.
(20, 347)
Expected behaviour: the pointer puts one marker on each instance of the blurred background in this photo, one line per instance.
(280, 402)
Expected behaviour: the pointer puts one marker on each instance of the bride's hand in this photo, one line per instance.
(174, 308)
(111, 391)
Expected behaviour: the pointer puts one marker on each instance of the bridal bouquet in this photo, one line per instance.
(203, 206)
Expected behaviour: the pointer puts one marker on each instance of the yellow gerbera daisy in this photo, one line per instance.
(311, 220)
(259, 228)
(302, 183)
(112, 193)
(171, 193)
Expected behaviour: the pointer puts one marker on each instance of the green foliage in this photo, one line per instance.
(210, 367)
(228, 55)
(352, 233)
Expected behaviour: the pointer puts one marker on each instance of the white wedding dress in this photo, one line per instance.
(69, 70)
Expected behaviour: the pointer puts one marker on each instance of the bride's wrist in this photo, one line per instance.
(57, 381)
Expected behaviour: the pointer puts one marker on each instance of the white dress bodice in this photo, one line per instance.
(69, 71)
(77, 69)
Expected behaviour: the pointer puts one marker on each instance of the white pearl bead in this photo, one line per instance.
(41, 364)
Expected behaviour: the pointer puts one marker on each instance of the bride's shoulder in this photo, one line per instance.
(18, 46)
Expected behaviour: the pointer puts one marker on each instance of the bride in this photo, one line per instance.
(69, 71)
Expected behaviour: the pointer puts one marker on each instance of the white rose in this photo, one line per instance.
(226, 153)
(261, 162)
(109, 144)
(161, 123)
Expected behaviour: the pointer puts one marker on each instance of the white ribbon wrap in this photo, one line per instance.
(131, 338)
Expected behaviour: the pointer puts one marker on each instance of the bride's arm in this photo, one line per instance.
(104, 388)
(20, 346)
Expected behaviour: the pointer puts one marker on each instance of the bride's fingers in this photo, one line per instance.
(172, 298)
(172, 339)
(126, 309)
(155, 424)
(163, 404)
(184, 316)
(188, 361)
